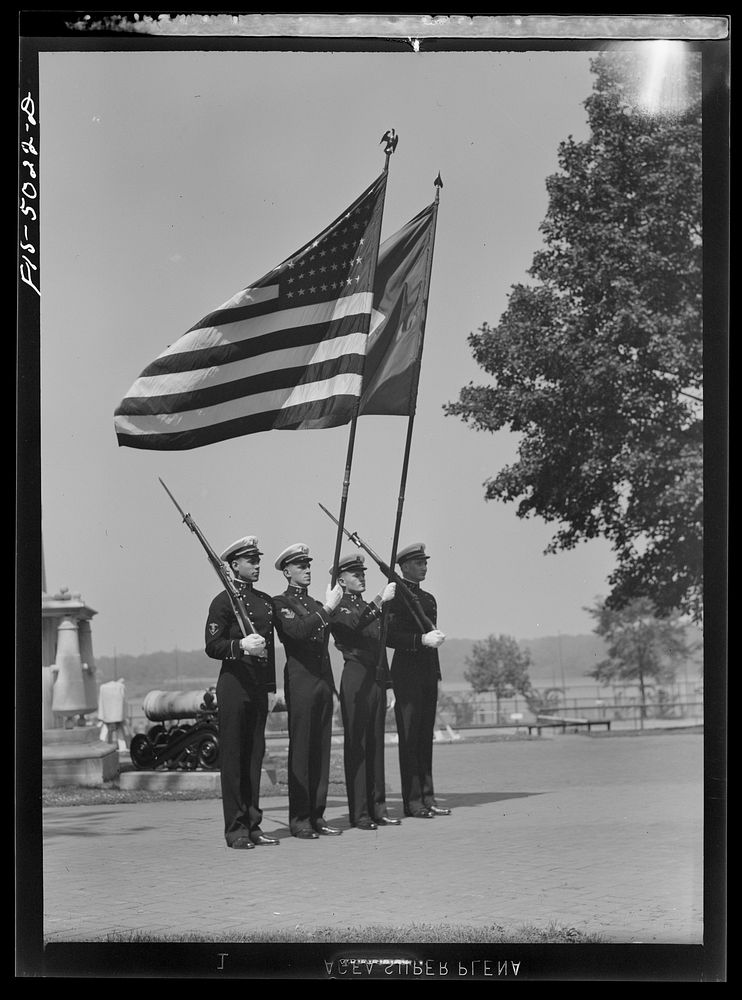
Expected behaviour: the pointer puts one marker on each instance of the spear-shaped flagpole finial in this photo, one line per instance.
(391, 139)
(438, 185)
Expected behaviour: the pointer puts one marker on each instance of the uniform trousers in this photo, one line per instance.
(363, 706)
(416, 700)
(243, 709)
(309, 704)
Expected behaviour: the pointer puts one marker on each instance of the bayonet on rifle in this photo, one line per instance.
(219, 568)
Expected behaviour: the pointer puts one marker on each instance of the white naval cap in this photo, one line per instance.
(414, 551)
(242, 547)
(296, 551)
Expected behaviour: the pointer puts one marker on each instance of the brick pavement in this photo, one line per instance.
(602, 834)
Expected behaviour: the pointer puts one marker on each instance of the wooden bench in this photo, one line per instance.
(553, 722)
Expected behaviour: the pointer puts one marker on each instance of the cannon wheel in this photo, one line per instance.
(208, 752)
(142, 751)
(185, 760)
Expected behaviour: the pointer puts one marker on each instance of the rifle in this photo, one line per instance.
(238, 605)
(408, 595)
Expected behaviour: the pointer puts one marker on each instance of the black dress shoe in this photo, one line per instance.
(389, 821)
(241, 844)
(365, 824)
(328, 831)
(438, 810)
(260, 840)
(421, 814)
(306, 835)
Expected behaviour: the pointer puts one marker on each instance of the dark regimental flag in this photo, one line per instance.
(286, 353)
(400, 301)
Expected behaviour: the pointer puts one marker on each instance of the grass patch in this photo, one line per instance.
(382, 934)
(73, 795)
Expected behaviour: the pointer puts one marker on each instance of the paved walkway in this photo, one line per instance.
(599, 833)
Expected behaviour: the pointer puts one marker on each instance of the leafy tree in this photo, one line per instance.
(641, 646)
(597, 363)
(498, 664)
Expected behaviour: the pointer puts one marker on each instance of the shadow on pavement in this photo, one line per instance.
(100, 823)
(452, 800)
(89, 830)
(458, 800)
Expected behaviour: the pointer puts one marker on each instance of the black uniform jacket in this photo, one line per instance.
(300, 623)
(356, 629)
(223, 634)
(404, 634)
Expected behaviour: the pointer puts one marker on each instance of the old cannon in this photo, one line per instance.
(175, 742)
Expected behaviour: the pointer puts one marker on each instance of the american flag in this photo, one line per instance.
(285, 353)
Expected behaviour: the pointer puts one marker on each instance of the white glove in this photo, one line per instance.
(388, 592)
(333, 596)
(433, 639)
(277, 701)
(390, 699)
(253, 644)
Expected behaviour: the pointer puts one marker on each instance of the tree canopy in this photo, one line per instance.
(641, 646)
(597, 362)
(498, 664)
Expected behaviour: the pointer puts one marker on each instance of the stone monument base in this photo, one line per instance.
(77, 757)
(205, 782)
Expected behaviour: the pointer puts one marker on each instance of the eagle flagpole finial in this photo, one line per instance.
(391, 139)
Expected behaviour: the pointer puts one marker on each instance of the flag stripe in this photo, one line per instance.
(229, 328)
(247, 406)
(331, 412)
(252, 385)
(244, 350)
(250, 297)
(192, 378)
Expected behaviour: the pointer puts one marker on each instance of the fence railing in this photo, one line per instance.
(513, 713)
(469, 710)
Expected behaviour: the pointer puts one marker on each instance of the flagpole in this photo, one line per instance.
(391, 139)
(411, 421)
(344, 496)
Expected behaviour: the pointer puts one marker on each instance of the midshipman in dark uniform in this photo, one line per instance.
(301, 623)
(363, 694)
(415, 676)
(246, 679)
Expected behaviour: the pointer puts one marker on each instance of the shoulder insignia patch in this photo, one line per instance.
(287, 613)
(213, 628)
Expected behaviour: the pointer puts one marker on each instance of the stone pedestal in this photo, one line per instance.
(185, 781)
(72, 753)
(77, 757)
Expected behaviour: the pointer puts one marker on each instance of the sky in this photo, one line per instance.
(169, 181)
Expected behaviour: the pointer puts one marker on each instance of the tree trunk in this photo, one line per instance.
(643, 706)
